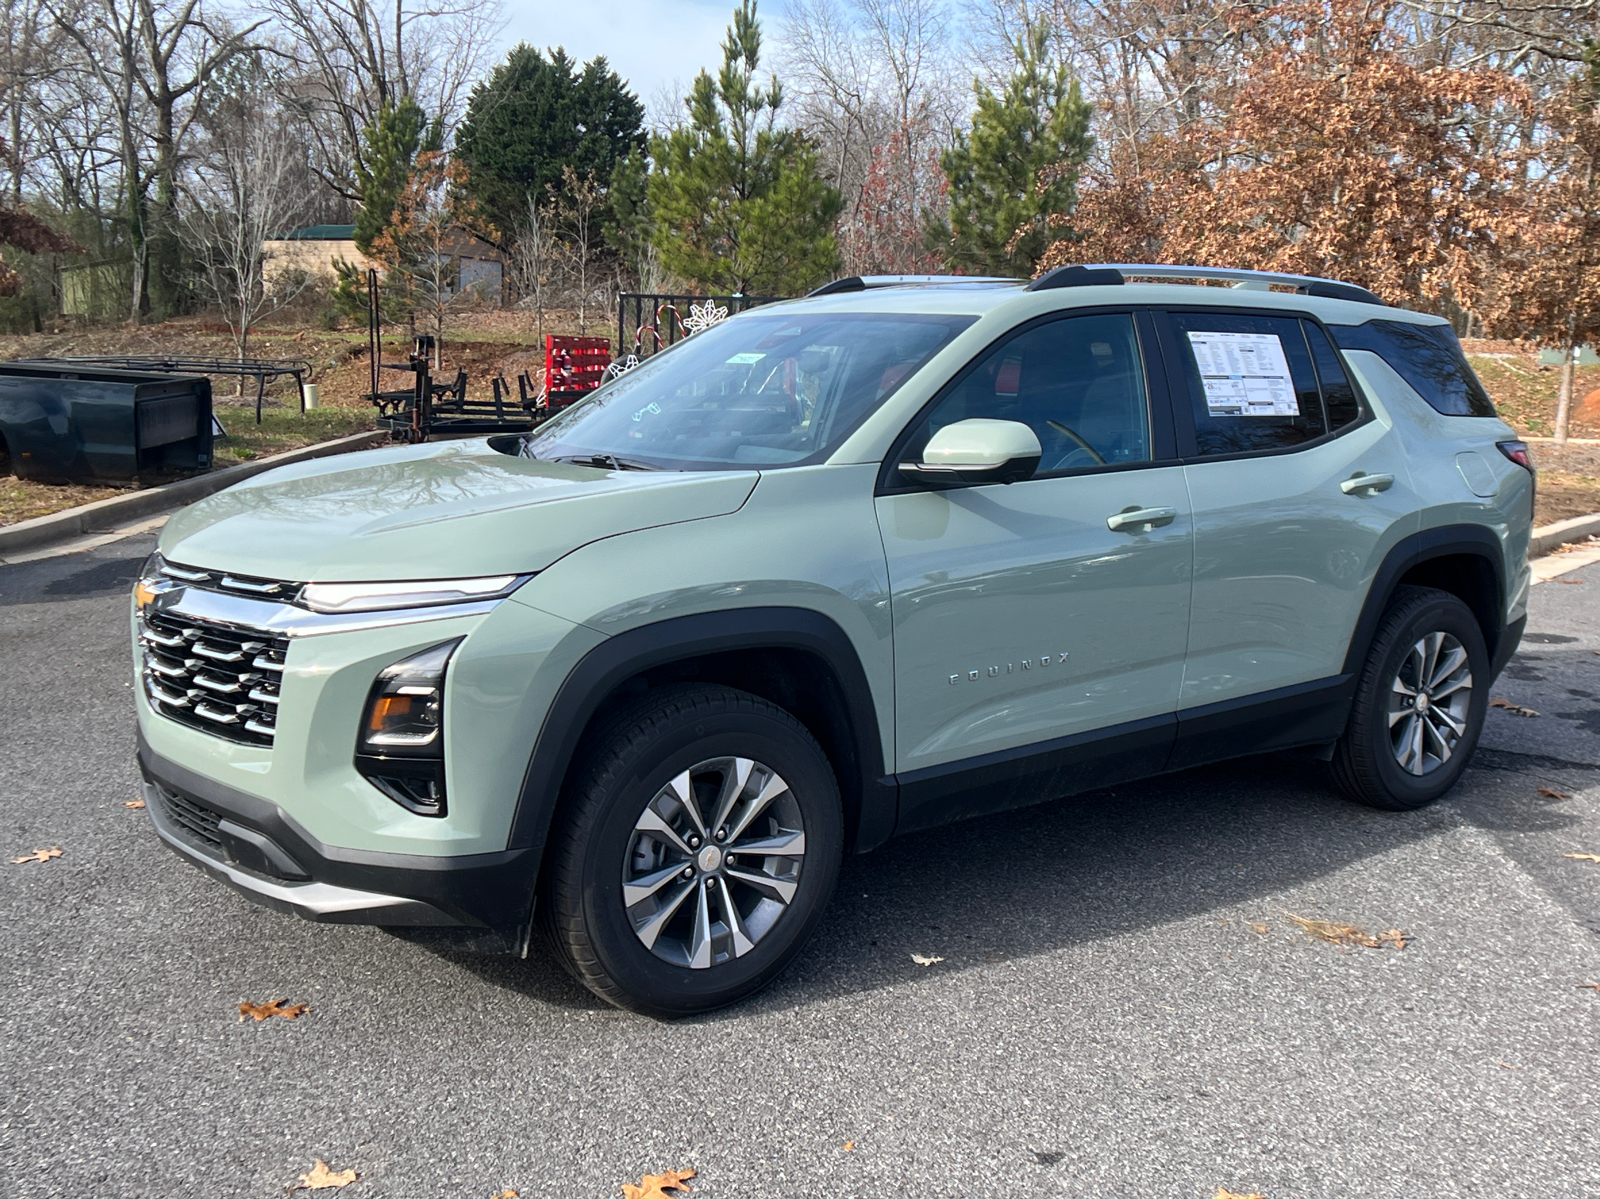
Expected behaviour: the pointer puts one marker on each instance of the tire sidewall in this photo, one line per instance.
(653, 983)
(1443, 614)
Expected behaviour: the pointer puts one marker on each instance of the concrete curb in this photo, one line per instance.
(119, 510)
(1575, 529)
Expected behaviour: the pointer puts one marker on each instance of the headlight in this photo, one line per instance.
(371, 597)
(400, 747)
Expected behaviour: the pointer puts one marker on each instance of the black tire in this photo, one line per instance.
(1366, 764)
(629, 762)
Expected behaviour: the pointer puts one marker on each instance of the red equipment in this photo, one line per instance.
(573, 367)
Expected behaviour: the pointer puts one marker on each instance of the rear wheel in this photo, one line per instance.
(1419, 703)
(701, 846)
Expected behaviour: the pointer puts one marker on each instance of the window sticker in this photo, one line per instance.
(747, 357)
(1244, 375)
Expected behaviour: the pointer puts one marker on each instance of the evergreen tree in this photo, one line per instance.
(533, 118)
(737, 203)
(628, 228)
(391, 143)
(1017, 168)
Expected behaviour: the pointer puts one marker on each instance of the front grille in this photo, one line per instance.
(235, 585)
(223, 679)
(192, 816)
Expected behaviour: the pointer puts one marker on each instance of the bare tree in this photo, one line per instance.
(577, 209)
(242, 192)
(533, 256)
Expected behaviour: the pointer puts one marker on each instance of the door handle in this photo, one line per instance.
(1141, 520)
(1362, 482)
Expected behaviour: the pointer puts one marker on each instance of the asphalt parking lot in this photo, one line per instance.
(1123, 1004)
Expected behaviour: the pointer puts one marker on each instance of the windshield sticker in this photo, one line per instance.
(749, 356)
(1244, 374)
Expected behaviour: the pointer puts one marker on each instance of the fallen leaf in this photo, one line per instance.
(1552, 794)
(1349, 935)
(1595, 986)
(1594, 858)
(922, 960)
(321, 1176)
(1224, 1194)
(849, 1145)
(1515, 709)
(1509, 1067)
(654, 1187)
(1258, 927)
(133, 804)
(1569, 581)
(273, 1008)
(40, 855)
(508, 1194)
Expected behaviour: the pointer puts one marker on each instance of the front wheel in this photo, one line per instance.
(1419, 703)
(701, 845)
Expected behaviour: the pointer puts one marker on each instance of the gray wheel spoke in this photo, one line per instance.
(1452, 687)
(790, 845)
(770, 791)
(1428, 721)
(1396, 715)
(700, 945)
(1403, 746)
(781, 890)
(1453, 659)
(1401, 688)
(1441, 747)
(733, 784)
(651, 822)
(1443, 716)
(683, 792)
(741, 940)
(651, 929)
(645, 886)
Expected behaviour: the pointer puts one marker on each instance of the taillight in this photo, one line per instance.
(1517, 452)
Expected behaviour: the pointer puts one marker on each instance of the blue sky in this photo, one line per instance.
(653, 44)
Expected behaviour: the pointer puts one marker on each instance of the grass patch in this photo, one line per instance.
(23, 499)
(283, 429)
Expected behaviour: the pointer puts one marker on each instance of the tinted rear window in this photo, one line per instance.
(1428, 357)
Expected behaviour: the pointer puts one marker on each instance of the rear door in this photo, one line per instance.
(1288, 538)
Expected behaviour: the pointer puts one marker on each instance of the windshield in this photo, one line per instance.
(763, 390)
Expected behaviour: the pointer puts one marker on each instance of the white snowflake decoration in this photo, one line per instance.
(704, 316)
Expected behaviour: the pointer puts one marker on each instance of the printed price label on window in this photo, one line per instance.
(1244, 375)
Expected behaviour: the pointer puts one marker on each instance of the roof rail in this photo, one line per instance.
(860, 283)
(1113, 273)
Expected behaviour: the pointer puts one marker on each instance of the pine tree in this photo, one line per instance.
(391, 143)
(534, 118)
(738, 203)
(1018, 167)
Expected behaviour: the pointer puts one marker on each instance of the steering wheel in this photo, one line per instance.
(1082, 445)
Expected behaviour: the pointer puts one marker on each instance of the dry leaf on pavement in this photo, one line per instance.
(1224, 1194)
(1349, 935)
(272, 1008)
(923, 960)
(1259, 927)
(654, 1187)
(849, 1145)
(40, 855)
(133, 804)
(321, 1176)
(508, 1194)
(1552, 794)
(1594, 858)
(1514, 709)
(1569, 581)
(1595, 986)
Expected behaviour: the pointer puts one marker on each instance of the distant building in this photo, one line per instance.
(315, 248)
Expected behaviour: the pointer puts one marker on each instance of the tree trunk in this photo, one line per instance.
(1569, 363)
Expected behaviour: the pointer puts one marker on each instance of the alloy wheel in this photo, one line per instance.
(1429, 700)
(713, 862)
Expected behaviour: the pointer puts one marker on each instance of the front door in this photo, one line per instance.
(1032, 621)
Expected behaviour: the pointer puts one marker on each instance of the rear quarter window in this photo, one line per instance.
(1428, 357)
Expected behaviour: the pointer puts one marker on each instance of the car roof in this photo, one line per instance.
(980, 298)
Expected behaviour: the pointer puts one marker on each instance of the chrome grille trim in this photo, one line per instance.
(222, 679)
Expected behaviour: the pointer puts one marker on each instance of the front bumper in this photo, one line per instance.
(256, 848)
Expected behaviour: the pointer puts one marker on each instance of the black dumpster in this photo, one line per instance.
(68, 423)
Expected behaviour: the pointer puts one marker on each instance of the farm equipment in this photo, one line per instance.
(262, 370)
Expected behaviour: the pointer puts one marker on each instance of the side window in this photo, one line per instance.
(1250, 382)
(1428, 357)
(1339, 397)
(1078, 383)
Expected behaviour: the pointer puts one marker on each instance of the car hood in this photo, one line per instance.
(444, 511)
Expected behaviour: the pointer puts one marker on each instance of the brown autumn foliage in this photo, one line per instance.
(1334, 153)
(27, 232)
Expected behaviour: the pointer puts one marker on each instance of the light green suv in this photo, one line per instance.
(899, 553)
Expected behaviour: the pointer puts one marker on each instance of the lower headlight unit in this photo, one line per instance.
(400, 747)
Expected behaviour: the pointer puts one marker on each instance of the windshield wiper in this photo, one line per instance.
(604, 462)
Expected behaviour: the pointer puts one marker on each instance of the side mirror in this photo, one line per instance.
(977, 450)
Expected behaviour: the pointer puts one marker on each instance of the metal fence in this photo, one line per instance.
(649, 321)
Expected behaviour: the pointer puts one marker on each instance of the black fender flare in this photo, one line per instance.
(662, 643)
(1416, 549)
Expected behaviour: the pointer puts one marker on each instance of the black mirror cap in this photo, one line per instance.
(850, 283)
(1343, 291)
(1076, 276)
